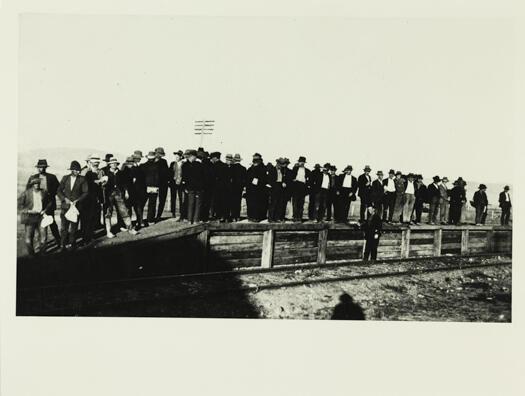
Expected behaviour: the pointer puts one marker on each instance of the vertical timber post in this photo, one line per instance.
(407, 243)
(267, 249)
(464, 241)
(490, 240)
(437, 241)
(403, 243)
(204, 241)
(321, 246)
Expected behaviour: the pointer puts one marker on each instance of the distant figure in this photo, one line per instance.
(372, 228)
(332, 201)
(238, 185)
(433, 198)
(347, 309)
(443, 201)
(150, 170)
(390, 196)
(321, 186)
(400, 185)
(175, 184)
(256, 189)
(364, 182)
(505, 205)
(314, 175)
(481, 203)
(410, 199)
(346, 189)
(457, 199)
(420, 194)
(193, 176)
(300, 185)
(279, 177)
(377, 192)
(164, 176)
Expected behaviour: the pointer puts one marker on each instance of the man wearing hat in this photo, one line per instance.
(505, 205)
(481, 203)
(279, 178)
(300, 186)
(164, 176)
(443, 201)
(92, 206)
(176, 183)
(321, 188)
(138, 179)
(364, 183)
(48, 183)
(219, 187)
(332, 201)
(457, 199)
(152, 181)
(256, 192)
(389, 200)
(372, 229)
(420, 194)
(377, 193)
(314, 175)
(346, 189)
(409, 199)
(72, 190)
(203, 157)
(107, 157)
(399, 200)
(193, 179)
(238, 183)
(34, 203)
(433, 195)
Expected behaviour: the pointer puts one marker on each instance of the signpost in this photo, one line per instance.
(203, 127)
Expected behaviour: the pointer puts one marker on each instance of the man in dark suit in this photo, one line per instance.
(256, 193)
(364, 183)
(505, 205)
(377, 193)
(48, 183)
(72, 190)
(193, 180)
(206, 196)
(300, 187)
(92, 205)
(311, 195)
(279, 177)
(238, 183)
(219, 187)
(139, 195)
(372, 229)
(480, 202)
(150, 169)
(164, 176)
(346, 185)
(399, 201)
(321, 185)
(389, 199)
(175, 183)
(420, 193)
(457, 197)
(434, 196)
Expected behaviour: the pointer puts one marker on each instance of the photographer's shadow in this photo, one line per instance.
(347, 309)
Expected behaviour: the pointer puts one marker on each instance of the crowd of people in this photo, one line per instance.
(204, 188)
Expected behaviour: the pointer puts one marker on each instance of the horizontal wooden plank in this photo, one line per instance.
(343, 256)
(420, 241)
(217, 265)
(295, 252)
(235, 254)
(388, 254)
(421, 253)
(389, 242)
(334, 235)
(391, 236)
(451, 245)
(294, 245)
(478, 243)
(248, 238)
(421, 234)
(355, 242)
(298, 259)
(451, 251)
(236, 247)
(478, 249)
(417, 248)
(296, 236)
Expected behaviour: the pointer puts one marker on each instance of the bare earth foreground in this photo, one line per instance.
(472, 289)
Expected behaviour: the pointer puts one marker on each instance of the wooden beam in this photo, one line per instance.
(464, 241)
(267, 249)
(437, 241)
(490, 241)
(406, 249)
(321, 246)
(403, 243)
(204, 241)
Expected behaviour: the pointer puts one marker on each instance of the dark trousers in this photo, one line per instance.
(217, 203)
(257, 203)
(311, 206)
(433, 210)
(30, 230)
(418, 209)
(68, 229)
(505, 214)
(332, 205)
(205, 204)
(184, 206)
(89, 218)
(194, 206)
(345, 200)
(389, 200)
(277, 202)
(298, 194)
(320, 203)
(362, 209)
(151, 198)
(371, 248)
(481, 214)
(235, 201)
(137, 202)
(455, 212)
(163, 193)
(176, 194)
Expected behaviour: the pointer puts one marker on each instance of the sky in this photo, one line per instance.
(433, 96)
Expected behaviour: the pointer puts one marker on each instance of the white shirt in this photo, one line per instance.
(73, 178)
(410, 188)
(301, 175)
(390, 185)
(326, 181)
(37, 201)
(507, 197)
(347, 181)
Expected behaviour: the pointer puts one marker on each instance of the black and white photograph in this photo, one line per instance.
(228, 189)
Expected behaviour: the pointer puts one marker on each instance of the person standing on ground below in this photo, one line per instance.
(372, 229)
(377, 193)
(73, 189)
(420, 194)
(48, 183)
(399, 201)
(151, 178)
(193, 177)
(238, 185)
(117, 190)
(390, 196)
(346, 187)
(164, 177)
(481, 203)
(175, 184)
(433, 197)
(34, 203)
(505, 205)
(364, 182)
(457, 199)
(443, 201)
(409, 198)
(300, 186)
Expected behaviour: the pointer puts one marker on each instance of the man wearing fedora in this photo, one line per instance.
(152, 181)
(332, 199)
(203, 157)
(72, 190)
(107, 157)
(399, 200)
(34, 203)
(164, 177)
(420, 194)
(377, 193)
(176, 183)
(443, 201)
(372, 228)
(364, 183)
(457, 199)
(481, 203)
(314, 175)
(48, 183)
(389, 199)
(409, 198)
(505, 205)
(238, 183)
(346, 189)
(321, 188)
(300, 186)
(256, 192)
(92, 206)
(434, 196)
(279, 177)
(219, 187)
(139, 188)
(193, 179)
